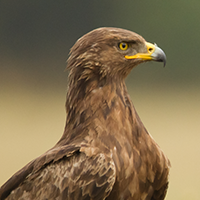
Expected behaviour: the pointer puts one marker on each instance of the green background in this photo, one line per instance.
(35, 38)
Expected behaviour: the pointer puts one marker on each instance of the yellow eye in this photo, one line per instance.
(123, 46)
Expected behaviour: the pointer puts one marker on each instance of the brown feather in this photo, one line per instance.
(105, 151)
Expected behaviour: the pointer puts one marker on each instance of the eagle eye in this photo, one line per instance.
(123, 46)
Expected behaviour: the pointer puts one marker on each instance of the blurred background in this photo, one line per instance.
(35, 38)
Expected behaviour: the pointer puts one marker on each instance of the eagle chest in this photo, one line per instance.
(141, 168)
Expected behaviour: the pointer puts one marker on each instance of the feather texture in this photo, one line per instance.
(105, 151)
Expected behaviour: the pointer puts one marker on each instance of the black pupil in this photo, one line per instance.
(123, 45)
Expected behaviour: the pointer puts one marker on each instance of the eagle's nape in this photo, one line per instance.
(105, 151)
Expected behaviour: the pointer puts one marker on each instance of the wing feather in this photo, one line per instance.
(76, 177)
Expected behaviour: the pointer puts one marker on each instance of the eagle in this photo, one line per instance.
(105, 152)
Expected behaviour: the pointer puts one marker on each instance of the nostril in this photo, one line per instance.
(150, 50)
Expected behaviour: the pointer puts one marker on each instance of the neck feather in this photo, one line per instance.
(96, 99)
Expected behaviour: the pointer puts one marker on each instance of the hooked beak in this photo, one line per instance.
(153, 53)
